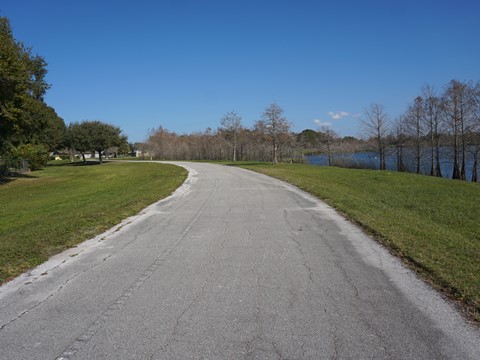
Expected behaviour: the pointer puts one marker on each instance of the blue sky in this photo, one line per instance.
(183, 64)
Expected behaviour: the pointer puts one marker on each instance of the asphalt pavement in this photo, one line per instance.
(234, 265)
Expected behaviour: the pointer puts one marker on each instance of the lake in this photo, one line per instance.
(370, 160)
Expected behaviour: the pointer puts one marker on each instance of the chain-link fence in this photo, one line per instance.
(10, 166)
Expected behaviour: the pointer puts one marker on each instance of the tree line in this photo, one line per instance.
(435, 126)
(29, 128)
(269, 139)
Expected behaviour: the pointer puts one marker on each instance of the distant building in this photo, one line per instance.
(141, 154)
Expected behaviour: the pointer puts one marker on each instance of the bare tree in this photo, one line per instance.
(432, 120)
(328, 137)
(475, 131)
(376, 127)
(457, 105)
(276, 126)
(232, 125)
(160, 143)
(399, 135)
(414, 126)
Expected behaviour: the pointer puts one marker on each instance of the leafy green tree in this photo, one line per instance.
(94, 135)
(54, 133)
(103, 136)
(124, 147)
(44, 126)
(308, 139)
(22, 80)
(77, 138)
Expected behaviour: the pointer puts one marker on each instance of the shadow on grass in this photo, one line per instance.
(12, 176)
(5, 179)
(80, 163)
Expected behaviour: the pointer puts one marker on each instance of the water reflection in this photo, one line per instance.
(369, 160)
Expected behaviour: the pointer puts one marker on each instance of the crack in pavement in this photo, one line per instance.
(305, 265)
(298, 245)
(335, 346)
(166, 219)
(195, 299)
(350, 283)
(59, 288)
(117, 305)
(358, 315)
(248, 346)
(205, 283)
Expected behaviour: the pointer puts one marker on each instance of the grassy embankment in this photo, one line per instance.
(50, 210)
(433, 224)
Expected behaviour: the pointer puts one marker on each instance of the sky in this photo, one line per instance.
(183, 64)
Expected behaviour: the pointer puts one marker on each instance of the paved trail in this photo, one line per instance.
(236, 265)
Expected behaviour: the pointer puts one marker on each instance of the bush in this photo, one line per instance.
(36, 155)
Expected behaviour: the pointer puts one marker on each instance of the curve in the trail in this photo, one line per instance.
(235, 265)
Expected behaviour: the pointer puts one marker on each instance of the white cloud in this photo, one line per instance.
(321, 123)
(338, 115)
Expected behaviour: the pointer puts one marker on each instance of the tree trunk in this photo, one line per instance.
(382, 158)
(437, 154)
(456, 169)
(432, 156)
(418, 150)
(475, 167)
(329, 153)
(463, 172)
(275, 160)
(400, 164)
(419, 160)
(463, 175)
(456, 172)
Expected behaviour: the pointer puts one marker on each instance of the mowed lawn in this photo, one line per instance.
(57, 207)
(433, 224)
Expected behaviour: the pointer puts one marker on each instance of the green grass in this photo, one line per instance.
(60, 206)
(433, 224)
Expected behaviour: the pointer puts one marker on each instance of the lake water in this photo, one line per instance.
(371, 160)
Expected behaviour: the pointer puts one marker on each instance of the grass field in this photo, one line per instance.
(433, 224)
(55, 208)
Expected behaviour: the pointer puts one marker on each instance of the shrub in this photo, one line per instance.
(36, 155)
